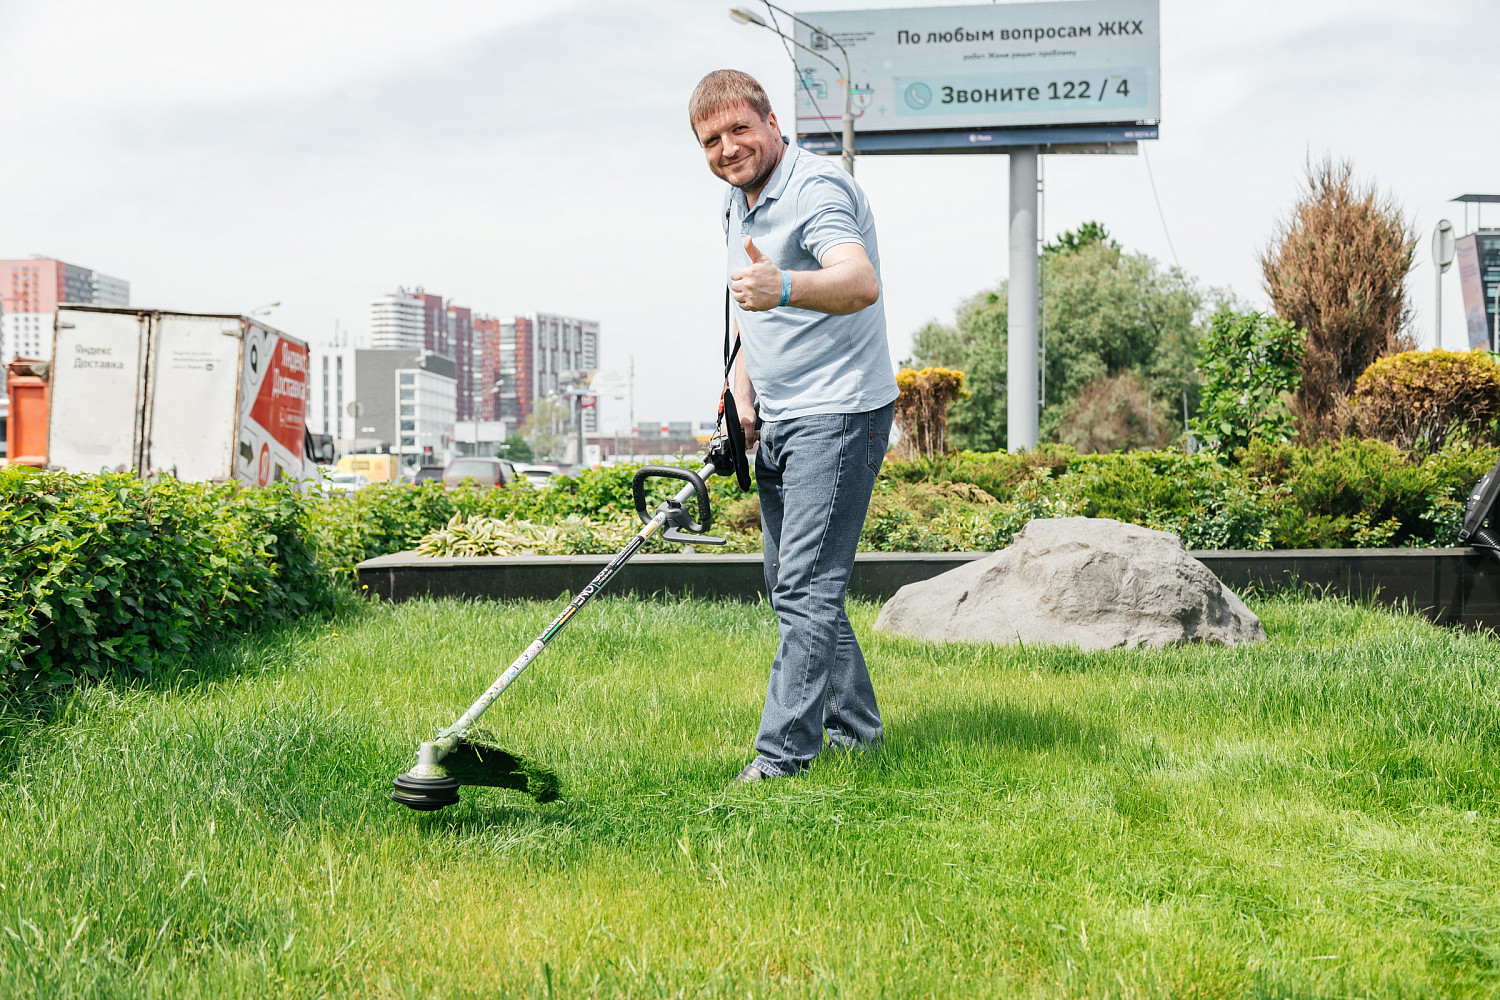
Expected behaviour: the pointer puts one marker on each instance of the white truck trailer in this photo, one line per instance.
(202, 397)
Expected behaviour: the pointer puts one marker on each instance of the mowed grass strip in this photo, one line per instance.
(1314, 816)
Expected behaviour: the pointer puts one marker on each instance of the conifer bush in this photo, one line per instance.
(922, 408)
(1337, 269)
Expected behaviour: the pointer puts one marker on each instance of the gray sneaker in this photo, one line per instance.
(751, 773)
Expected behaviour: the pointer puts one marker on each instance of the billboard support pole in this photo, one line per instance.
(848, 139)
(1022, 357)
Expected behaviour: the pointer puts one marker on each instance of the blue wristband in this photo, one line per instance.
(786, 288)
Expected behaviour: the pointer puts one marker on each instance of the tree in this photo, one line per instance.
(1108, 311)
(975, 345)
(547, 427)
(1116, 413)
(516, 448)
(1085, 235)
(1336, 268)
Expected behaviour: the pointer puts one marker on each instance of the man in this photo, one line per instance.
(804, 274)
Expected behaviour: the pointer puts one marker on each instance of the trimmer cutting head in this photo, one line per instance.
(424, 794)
(475, 760)
(451, 760)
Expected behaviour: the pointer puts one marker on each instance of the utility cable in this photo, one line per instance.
(800, 79)
(1159, 213)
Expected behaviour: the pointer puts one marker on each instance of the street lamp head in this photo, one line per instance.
(743, 15)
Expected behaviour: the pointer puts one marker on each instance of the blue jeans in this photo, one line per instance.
(815, 475)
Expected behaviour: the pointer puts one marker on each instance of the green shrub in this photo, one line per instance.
(995, 472)
(1205, 503)
(1356, 493)
(1347, 493)
(567, 536)
(1249, 363)
(109, 575)
(1116, 413)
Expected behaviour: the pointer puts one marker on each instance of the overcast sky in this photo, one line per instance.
(536, 157)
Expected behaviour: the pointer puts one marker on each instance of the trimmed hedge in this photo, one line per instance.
(1420, 400)
(109, 575)
(112, 576)
(1349, 493)
(388, 517)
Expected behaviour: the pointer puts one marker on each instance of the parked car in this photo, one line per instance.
(483, 471)
(538, 475)
(345, 482)
(428, 473)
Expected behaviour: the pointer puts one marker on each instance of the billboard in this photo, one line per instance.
(1479, 276)
(940, 78)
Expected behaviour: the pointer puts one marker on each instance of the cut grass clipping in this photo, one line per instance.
(479, 759)
(1314, 816)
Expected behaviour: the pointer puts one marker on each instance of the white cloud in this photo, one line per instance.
(100, 56)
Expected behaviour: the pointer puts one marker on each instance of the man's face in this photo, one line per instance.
(740, 148)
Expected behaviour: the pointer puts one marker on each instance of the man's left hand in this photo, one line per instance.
(756, 287)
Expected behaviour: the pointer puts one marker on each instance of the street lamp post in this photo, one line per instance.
(578, 388)
(744, 15)
(474, 399)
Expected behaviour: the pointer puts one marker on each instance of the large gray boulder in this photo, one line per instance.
(1090, 582)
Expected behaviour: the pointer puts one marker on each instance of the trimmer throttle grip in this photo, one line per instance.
(638, 489)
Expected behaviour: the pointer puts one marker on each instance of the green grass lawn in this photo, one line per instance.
(1312, 817)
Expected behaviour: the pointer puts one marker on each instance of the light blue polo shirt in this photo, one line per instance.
(803, 362)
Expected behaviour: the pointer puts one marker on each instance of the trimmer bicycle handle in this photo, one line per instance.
(700, 489)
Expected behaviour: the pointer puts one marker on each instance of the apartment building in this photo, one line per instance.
(32, 289)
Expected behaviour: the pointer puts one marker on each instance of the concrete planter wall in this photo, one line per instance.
(1452, 586)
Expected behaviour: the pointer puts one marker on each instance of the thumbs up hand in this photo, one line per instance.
(756, 287)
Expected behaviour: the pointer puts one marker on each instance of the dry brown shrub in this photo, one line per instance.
(1115, 413)
(1336, 269)
(1419, 400)
(922, 409)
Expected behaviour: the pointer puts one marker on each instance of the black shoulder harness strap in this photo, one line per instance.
(734, 434)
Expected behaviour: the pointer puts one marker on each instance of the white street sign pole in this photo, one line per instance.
(1444, 246)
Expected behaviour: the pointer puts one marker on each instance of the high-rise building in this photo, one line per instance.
(517, 369)
(543, 354)
(531, 356)
(435, 324)
(113, 292)
(30, 292)
(398, 322)
(487, 365)
(413, 319)
(460, 336)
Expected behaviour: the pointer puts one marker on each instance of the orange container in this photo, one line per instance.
(26, 428)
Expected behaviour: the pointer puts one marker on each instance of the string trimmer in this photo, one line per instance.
(460, 756)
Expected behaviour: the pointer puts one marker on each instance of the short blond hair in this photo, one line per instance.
(724, 87)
